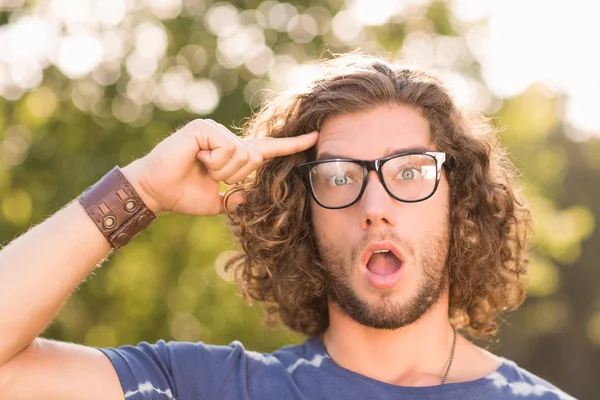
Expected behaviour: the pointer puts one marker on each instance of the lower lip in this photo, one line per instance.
(383, 281)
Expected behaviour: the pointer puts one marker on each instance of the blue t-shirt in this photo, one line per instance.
(185, 371)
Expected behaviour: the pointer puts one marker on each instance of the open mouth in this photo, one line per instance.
(383, 263)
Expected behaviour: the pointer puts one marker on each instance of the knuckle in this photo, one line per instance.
(243, 156)
(216, 175)
(218, 163)
(210, 164)
(257, 158)
(235, 179)
(198, 122)
(230, 147)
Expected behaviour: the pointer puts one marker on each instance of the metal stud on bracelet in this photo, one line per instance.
(130, 205)
(109, 222)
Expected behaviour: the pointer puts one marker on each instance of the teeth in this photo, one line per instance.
(381, 251)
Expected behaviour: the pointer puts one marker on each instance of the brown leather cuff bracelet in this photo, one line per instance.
(116, 208)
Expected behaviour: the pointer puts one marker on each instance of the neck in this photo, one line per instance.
(415, 355)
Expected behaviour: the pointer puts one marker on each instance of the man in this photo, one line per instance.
(379, 234)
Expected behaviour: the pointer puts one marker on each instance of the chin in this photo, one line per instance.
(388, 309)
(386, 301)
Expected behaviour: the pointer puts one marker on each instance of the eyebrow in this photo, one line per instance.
(388, 152)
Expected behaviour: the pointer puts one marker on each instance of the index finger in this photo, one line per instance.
(270, 147)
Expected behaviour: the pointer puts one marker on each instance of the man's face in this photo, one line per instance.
(380, 291)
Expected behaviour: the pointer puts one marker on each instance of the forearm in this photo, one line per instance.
(39, 270)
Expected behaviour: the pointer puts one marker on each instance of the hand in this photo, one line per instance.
(182, 173)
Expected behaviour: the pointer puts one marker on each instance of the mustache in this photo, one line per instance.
(329, 253)
(389, 235)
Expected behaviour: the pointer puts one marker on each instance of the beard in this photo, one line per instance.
(430, 259)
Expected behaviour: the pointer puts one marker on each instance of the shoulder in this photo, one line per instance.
(516, 382)
(501, 378)
(186, 369)
(184, 355)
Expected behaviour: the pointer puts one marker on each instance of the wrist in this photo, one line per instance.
(116, 208)
(134, 173)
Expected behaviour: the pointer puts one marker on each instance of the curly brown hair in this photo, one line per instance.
(490, 225)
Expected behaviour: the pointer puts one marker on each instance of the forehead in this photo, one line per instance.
(374, 133)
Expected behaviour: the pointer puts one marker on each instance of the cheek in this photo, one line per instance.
(328, 223)
(436, 215)
(319, 218)
(442, 197)
(431, 217)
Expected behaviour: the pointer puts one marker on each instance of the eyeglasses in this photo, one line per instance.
(408, 177)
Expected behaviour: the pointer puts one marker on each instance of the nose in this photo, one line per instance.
(376, 205)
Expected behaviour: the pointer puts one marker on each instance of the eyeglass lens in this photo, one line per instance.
(409, 177)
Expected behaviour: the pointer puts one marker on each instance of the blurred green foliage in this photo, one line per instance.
(62, 135)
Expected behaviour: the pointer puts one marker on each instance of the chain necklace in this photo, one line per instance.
(451, 357)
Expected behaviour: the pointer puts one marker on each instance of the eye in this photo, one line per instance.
(340, 180)
(409, 174)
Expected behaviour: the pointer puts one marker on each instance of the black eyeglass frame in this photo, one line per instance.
(373, 165)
